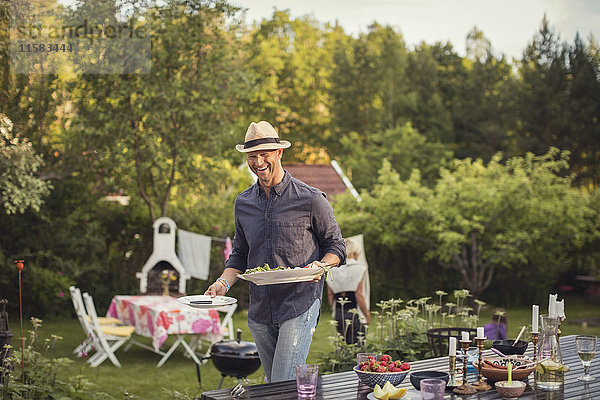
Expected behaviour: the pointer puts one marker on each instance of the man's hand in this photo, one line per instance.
(316, 264)
(223, 283)
(216, 289)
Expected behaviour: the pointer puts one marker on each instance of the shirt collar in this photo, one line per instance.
(280, 187)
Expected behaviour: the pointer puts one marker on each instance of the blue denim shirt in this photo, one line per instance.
(291, 228)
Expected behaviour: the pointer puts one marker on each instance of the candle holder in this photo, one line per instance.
(465, 388)
(535, 336)
(452, 371)
(480, 385)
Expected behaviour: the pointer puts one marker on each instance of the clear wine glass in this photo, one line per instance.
(586, 349)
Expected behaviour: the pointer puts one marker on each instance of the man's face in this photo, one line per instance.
(265, 164)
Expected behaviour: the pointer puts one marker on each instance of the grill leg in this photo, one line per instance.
(198, 376)
(221, 381)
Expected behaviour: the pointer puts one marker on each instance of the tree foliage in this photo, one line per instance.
(289, 61)
(369, 85)
(556, 107)
(144, 132)
(405, 150)
(479, 218)
(20, 188)
(166, 140)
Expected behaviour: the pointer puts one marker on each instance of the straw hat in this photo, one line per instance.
(261, 136)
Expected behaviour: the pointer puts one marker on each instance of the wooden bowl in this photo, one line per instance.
(495, 374)
(502, 362)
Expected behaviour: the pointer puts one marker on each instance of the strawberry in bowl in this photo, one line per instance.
(373, 372)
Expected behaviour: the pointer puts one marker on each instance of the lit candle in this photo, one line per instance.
(480, 333)
(535, 318)
(552, 305)
(452, 347)
(465, 336)
(560, 309)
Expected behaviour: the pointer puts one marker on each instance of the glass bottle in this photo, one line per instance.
(550, 373)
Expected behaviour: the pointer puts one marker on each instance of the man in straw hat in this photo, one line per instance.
(280, 221)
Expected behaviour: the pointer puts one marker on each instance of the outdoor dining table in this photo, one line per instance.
(158, 317)
(346, 386)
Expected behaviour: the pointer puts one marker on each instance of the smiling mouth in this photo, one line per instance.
(262, 169)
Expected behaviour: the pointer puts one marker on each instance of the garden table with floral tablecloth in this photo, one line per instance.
(158, 317)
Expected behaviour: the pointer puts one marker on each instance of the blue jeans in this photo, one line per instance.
(283, 346)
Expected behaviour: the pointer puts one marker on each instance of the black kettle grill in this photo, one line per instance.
(235, 358)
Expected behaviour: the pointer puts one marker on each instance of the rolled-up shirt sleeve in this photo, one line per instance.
(326, 228)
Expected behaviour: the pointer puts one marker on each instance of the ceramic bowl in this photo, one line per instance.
(502, 362)
(417, 376)
(380, 378)
(510, 392)
(506, 347)
(495, 374)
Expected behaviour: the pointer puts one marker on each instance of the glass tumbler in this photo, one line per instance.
(307, 376)
(432, 389)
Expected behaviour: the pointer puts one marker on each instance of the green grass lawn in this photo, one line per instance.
(575, 309)
(139, 377)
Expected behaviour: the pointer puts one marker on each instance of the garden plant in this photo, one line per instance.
(400, 327)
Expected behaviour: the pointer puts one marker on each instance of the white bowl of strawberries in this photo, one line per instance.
(377, 372)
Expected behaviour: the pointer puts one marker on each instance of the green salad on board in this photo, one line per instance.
(267, 267)
(264, 268)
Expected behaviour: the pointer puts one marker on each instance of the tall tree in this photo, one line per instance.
(559, 101)
(143, 132)
(584, 113)
(352, 92)
(289, 61)
(434, 81)
(370, 97)
(543, 96)
(28, 99)
(486, 115)
(370, 91)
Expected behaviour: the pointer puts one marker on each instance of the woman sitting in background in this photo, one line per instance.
(496, 329)
(347, 283)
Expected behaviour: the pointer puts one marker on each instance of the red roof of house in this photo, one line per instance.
(321, 176)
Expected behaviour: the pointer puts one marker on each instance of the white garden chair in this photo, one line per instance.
(85, 321)
(106, 339)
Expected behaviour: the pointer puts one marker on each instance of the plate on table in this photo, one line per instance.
(206, 302)
(290, 275)
(411, 394)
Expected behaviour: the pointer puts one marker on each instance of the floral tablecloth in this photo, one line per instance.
(160, 316)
